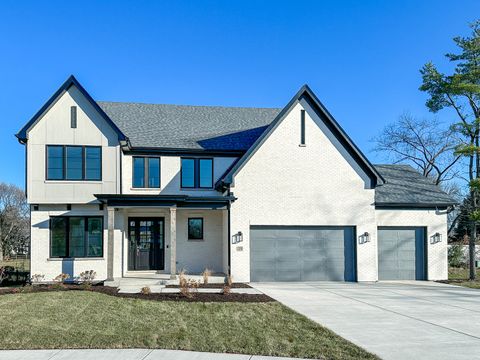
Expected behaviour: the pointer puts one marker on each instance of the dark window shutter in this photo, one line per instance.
(73, 117)
(302, 127)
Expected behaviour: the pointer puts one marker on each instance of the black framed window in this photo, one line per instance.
(55, 162)
(197, 173)
(73, 162)
(195, 228)
(93, 163)
(76, 236)
(146, 172)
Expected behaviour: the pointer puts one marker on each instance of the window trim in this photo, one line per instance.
(202, 238)
(64, 162)
(196, 173)
(146, 164)
(67, 240)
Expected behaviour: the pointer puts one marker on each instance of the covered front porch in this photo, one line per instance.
(154, 237)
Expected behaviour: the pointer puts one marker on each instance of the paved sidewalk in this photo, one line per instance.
(124, 354)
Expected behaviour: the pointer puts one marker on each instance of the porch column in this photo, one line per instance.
(173, 242)
(110, 255)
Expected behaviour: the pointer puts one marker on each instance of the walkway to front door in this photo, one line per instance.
(395, 320)
(146, 249)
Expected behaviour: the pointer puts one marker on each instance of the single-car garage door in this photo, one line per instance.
(401, 253)
(302, 253)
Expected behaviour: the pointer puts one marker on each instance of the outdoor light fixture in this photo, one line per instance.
(237, 238)
(436, 238)
(364, 238)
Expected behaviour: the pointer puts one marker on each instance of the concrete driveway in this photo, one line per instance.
(395, 320)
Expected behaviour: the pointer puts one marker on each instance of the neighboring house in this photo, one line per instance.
(262, 194)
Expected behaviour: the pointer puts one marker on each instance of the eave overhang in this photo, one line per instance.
(399, 205)
(180, 201)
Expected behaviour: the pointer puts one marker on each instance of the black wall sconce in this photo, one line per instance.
(436, 238)
(364, 238)
(237, 238)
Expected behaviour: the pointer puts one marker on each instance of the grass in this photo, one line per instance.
(459, 276)
(83, 319)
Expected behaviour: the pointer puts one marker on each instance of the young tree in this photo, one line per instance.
(422, 143)
(460, 91)
(14, 219)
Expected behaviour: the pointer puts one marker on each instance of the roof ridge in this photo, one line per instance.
(184, 105)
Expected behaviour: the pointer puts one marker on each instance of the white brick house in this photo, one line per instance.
(262, 194)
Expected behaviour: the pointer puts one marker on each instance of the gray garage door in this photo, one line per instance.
(401, 253)
(301, 253)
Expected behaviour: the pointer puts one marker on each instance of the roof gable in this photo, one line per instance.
(22, 135)
(307, 94)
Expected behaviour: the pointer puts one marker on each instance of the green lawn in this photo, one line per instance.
(459, 276)
(84, 319)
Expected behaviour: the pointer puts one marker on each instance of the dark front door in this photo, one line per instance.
(146, 244)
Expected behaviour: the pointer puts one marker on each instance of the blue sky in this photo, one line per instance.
(362, 58)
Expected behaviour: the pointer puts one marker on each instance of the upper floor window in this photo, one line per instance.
(73, 162)
(197, 173)
(146, 172)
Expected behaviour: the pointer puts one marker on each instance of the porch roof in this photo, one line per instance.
(181, 201)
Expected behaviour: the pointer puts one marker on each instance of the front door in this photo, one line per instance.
(146, 244)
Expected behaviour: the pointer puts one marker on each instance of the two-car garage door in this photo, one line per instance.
(302, 253)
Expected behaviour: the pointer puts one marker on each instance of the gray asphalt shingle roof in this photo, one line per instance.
(189, 127)
(237, 128)
(405, 185)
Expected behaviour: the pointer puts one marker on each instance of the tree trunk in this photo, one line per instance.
(471, 252)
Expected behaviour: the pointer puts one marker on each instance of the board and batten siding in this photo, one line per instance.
(287, 184)
(54, 128)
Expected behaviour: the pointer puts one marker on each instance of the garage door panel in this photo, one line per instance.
(401, 254)
(302, 253)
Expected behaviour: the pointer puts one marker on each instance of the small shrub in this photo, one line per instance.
(146, 290)
(206, 274)
(87, 277)
(189, 288)
(456, 256)
(60, 280)
(37, 278)
(226, 290)
(229, 280)
(182, 278)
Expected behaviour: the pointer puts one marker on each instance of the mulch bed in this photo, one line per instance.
(198, 297)
(216, 286)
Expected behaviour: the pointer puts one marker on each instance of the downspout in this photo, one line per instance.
(229, 236)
